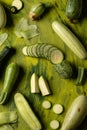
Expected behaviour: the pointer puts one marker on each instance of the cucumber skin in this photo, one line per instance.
(11, 75)
(76, 113)
(73, 9)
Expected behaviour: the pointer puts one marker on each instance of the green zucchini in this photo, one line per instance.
(11, 75)
(43, 51)
(64, 69)
(80, 76)
(4, 53)
(73, 9)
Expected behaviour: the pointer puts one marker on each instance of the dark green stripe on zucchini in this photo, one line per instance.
(73, 9)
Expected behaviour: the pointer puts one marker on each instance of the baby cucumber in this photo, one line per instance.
(73, 9)
(11, 75)
(44, 50)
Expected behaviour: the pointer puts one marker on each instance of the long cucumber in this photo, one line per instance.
(11, 75)
(69, 39)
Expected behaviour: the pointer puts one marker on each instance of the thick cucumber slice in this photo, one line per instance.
(56, 56)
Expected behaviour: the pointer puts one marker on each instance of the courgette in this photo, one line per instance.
(3, 53)
(69, 39)
(11, 75)
(26, 112)
(74, 9)
(43, 51)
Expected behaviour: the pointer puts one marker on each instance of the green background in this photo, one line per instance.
(63, 91)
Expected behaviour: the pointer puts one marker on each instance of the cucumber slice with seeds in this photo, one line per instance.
(46, 49)
(18, 4)
(56, 56)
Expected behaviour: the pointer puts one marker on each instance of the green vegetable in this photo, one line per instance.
(54, 124)
(18, 4)
(34, 83)
(3, 37)
(76, 113)
(64, 69)
(26, 112)
(8, 117)
(38, 9)
(80, 76)
(44, 87)
(69, 39)
(11, 75)
(74, 9)
(3, 17)
(3, 53)
(43, 50)
(6, 127)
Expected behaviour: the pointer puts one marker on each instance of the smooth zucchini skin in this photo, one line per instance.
(73, 9)
(11, 75)
(76, 113)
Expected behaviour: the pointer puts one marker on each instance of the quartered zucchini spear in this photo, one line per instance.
(26, 112)
(44, 50)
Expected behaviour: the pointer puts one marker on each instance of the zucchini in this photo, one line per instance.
(74, 9)
(64, 69)
(26, 112)
(4, 52)
(11, 75)
(55, 56)
(80, 76)
(75, 114)
(69, 39)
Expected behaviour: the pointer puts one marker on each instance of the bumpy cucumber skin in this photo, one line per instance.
(73, 9)
(76, 113)
(11, 75)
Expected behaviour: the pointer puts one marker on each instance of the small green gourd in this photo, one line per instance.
(11, 75)
(73, 9)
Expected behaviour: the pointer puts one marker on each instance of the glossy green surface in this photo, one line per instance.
(63, 91)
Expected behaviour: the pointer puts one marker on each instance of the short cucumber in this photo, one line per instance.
(73, 9)
(11, 75)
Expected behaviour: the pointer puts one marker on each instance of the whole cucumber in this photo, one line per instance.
(76, 113)
(11, 75)
(73, 9)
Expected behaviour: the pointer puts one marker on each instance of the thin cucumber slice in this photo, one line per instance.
(46, 104)
(56, 56)
(34, 51)
(18, 4)
(30, 51)
(58, 108)
(24, 51)
(42, 48)
(46, 49)
(38, 50)
(54, 124)
(50, 51)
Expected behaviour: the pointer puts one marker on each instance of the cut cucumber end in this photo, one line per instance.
(56, 56)
(54, 124)
(24, 50)
(58, 108)
(46, 104)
